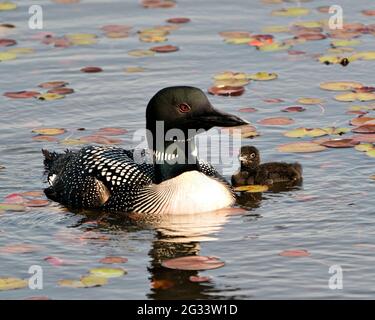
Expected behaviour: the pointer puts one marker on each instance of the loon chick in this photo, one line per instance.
(113, 179)
(252, 172)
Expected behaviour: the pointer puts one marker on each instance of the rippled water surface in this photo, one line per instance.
(331, 215)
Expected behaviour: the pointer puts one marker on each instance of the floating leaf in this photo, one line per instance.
(141, 53)
(5, 56)
(111, 131)
(340, 85)
(21, 94)
(178, 20)
(305, 132)
(165, 49)
(36, 203)
(91, 69)
(163, 4)
(12, 283)
(44, 138)
(12, 207)
(89, 281)
(262, 76)
(5, 6)
(275, 29)
(364, 147)
(364, 138)
(49, 96)
(19, 248)
(226, 91)
(353, 96)
(82, 38)
(340, 143)
(54, 261)
(276, 46)
(134, 69)
(294, 253)
(108, 272)
(7, 43)
(293, 109)
(359, 121)
(112, 259)
(310, 101)
(366, 128)
(276, 121)
(248, 109)
(61, 91)
(193, 263)
(49, 131)
(290, 12)
(99, 139)
(301, 147)
(371, 153)
(252, 188)
(53, 84)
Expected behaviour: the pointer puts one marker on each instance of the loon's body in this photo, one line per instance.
(176, 181)
(253, 172)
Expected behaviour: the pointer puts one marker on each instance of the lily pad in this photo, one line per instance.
(5, 56)
(354, 96)
(141, 53)
(165, 49)
(49, 131)
(301, 147)
(193, 263)
(310, 101)
(226, 91)
(262, 76)
(12, 283)
(91, 69)
(276, 121)
(49, 96)
(53, 84)
(366, 128)
(291, 12)
(295, 253)
(21, 94)
(108, 272)
(6, 6)
(113, 259)
(340, 143)
(340, 85)
(293, 109)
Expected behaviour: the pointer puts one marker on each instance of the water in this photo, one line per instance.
(331, 216)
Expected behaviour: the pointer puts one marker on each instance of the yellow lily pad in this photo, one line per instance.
(275, 29)
(309, 24)
(12, 207)
(251, 188)
(364, 147)
(50, 96)
(371, 153)
(276, 46)
(49, 131)
(291, 12)
(364, 55)
(310, 101)
(300, 147)
(336, 131)
(108, 272)
(5, 6)
(345, 42)
(152, 38)
(134, 69)
(12, 283)
(353, 96)
(262, 76)
(93, 281)
(238, 40)
(82, 38)
(141, 53)
(6, 55)
(340, 85)
(21, 50)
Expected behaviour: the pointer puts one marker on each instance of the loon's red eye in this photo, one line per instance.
(184, 107)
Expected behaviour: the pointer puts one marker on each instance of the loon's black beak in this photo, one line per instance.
(216, 118)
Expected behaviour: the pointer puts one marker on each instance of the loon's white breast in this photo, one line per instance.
(190, 192)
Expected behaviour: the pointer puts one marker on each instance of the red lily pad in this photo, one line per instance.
(116, 28)
(367, 128)
(296, 52)
(54, 261)
(33, 194)
(368, 12)
(36, 203)
(100, 140)
(44, 138)
(91, 69)
(226, 91)
(165, 49)
(199, 279)
(248, 109)
(14, 198)
(193, 263)
(273, 100)
(359, 121)
(62, 91)
(277, 121)
(111, 131)
(340, 143)
(178, 20)
(163, 4)
(21, 94)
(312, 36)
(7, 42)
(294, 109)
(294, 253)
(364, 89)
(110, 260)
(20, 248)
(369, 138)
(53, 84)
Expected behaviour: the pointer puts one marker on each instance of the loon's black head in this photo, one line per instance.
(249, 157)
(186, 108)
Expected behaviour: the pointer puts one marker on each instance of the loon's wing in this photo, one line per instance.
(91, 177)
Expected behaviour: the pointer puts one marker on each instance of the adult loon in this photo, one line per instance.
(110, 179)
(253, 172)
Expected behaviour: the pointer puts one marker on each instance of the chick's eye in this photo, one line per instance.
(184, 107)
(252, 155)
